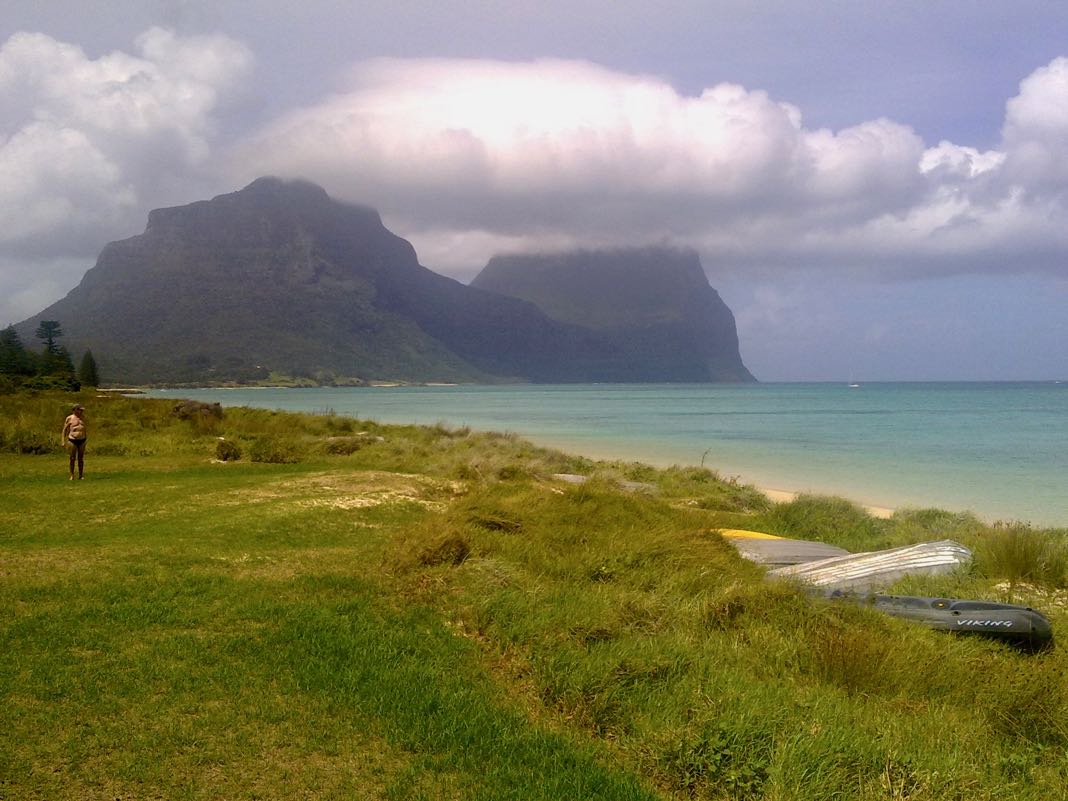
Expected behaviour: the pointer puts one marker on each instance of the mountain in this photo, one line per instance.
(280, 277)
(652, 306)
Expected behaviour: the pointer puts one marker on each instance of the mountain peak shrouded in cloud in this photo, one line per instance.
(604, 288)
(280, 277)
(788, 156)
(567, 150)
(655, 302)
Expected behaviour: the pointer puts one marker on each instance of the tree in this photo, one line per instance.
(55, 359)
(14, 358)
(87, 372)
(49, 331)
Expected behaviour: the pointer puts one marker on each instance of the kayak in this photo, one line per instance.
(1021, 626)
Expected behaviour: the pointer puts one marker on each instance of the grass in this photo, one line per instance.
(424, 612)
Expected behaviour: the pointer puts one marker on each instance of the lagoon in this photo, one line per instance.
(999, 450)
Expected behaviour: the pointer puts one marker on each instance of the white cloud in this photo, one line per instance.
(1036, 129)
(553, 151)
(955, 161)
(87, 143)
(472, 157)
(52, 178)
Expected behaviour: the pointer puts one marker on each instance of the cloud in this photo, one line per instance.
(87, 145)
(471, 157)
(28, 286)
(457, 152)
(1036, 130)
(85, 142)
(429, 132)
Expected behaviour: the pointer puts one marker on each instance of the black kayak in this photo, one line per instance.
(1020, 626)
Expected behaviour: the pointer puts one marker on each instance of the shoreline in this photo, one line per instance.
(1002, 503)
(774, 494)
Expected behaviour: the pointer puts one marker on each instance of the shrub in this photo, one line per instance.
(32, 441)
(45, 383)
(226, 450)
(191, 410)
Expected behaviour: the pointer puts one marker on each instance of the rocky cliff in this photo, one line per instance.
(654, 307)
(281, 277)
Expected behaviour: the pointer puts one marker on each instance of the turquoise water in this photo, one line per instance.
(997, 449)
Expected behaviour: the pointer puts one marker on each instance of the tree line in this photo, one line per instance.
(51, 368)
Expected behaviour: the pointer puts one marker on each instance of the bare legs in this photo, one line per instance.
(77, 453)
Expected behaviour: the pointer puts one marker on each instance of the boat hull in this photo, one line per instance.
(1021, 626)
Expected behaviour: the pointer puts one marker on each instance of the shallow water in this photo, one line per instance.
(997, 449)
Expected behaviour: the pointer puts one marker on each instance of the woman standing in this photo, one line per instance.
(74, 433)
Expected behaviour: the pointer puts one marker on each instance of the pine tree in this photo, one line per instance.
(55, 358)
(15, 360)
(87, 372)
(49, 331)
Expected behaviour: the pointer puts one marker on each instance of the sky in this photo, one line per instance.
(879, 191)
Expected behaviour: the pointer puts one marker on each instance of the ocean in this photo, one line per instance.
(999, 450)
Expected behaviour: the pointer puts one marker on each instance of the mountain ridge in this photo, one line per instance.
(280, 277)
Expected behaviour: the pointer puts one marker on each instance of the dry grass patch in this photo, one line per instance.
(357, 490)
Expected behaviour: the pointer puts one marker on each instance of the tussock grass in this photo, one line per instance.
(408, 612)
(1018, 554)
(834, 520)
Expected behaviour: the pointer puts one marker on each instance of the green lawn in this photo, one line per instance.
(399, 612)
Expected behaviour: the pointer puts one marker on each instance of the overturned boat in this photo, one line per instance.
(875, 569)
(834, 573)
(773, 551)
(1020, 626)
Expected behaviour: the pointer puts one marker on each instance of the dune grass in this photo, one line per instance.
(354, 610)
